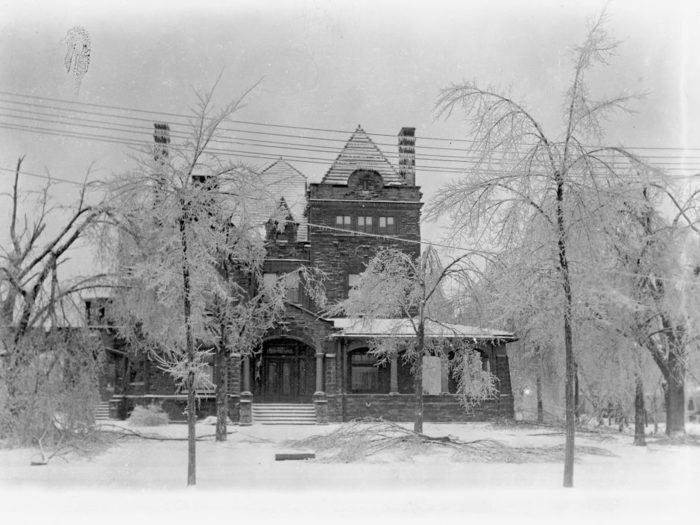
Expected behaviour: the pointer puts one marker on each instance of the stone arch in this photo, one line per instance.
(284, 369)
(365, 180)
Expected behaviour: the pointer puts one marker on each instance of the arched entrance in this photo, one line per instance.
(284, 372)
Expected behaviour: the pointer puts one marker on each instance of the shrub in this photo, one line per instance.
(148, 416)
(49, 387)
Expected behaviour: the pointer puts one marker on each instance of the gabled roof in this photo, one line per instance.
(356, 327)
(361, 153)
(285, 182)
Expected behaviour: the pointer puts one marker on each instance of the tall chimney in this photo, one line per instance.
(407, 155)
(161, 136)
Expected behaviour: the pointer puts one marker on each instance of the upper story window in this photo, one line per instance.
(96, 310)
(353, 279)
(364, 224)
(291, 285)
(343, 221)
(387, 226)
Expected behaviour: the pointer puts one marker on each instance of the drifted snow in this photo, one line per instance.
(241, 478)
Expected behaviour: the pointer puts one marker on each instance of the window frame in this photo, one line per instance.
(365, 227)
(386, 229)
(340, 222)
(366, 367)
(287, 276)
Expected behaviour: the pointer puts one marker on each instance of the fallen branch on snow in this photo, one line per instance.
(128, 432)
(357, 441)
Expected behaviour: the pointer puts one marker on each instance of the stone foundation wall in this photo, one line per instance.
(443, 408)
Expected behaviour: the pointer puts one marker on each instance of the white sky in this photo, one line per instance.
(334, 65)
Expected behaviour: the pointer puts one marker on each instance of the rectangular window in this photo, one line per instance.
(291, 284)
(343, 222)
(352, 280)
(387, 226)
(364, 375)
(364, 379)
(269, 280)
(364, 224)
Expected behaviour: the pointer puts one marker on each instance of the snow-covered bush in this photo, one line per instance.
(49, 387)
(148, 416)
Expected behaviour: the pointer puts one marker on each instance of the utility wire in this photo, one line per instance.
(275, 155)
(323, 130)
(459, 158)
(147, 131)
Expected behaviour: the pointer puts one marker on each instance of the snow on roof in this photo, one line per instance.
(361, 153)
(284, 181)
(356, 327)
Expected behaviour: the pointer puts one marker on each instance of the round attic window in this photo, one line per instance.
(365, 180)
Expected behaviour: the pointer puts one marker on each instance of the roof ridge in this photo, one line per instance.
(281, 160)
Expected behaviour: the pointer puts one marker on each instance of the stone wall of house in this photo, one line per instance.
(283, 249)
(443, 408)
(340, 253)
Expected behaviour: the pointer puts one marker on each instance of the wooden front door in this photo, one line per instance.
(285, 374)
(281, 382)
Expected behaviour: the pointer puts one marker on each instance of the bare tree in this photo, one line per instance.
(48, 364)
(408, 294)
(529, 188)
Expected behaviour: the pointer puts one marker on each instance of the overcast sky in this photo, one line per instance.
(330, 65)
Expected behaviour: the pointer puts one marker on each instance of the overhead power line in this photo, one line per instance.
(275, 155)
(252, 123)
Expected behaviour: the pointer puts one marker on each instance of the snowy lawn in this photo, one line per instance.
(654, 481)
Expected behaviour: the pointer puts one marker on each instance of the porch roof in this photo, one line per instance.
(402, 328)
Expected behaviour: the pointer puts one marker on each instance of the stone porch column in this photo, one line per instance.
(319, 373)
(320, 401)
(246, 406)
(394, 374)
(246, 375)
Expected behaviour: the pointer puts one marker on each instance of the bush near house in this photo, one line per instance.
(148, 416)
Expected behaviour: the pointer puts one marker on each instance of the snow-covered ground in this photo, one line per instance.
(138, 479)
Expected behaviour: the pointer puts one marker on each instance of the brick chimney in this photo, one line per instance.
(161, 135)
(407, 155)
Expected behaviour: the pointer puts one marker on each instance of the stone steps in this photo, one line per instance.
(284, 414)
(102, 411)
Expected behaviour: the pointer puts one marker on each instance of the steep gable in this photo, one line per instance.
(361, 153)
(283, 181)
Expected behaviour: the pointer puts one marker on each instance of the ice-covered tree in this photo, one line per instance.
(48, 361)
(186, 213)
(396, 287)
(538, 192)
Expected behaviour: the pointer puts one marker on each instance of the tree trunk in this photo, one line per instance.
(221, 380)
(418, 392)
(418, 383)
(568, 338)
(675, 405)
(191, 416)
(639, 413)
(577, 398)
(540, 407)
